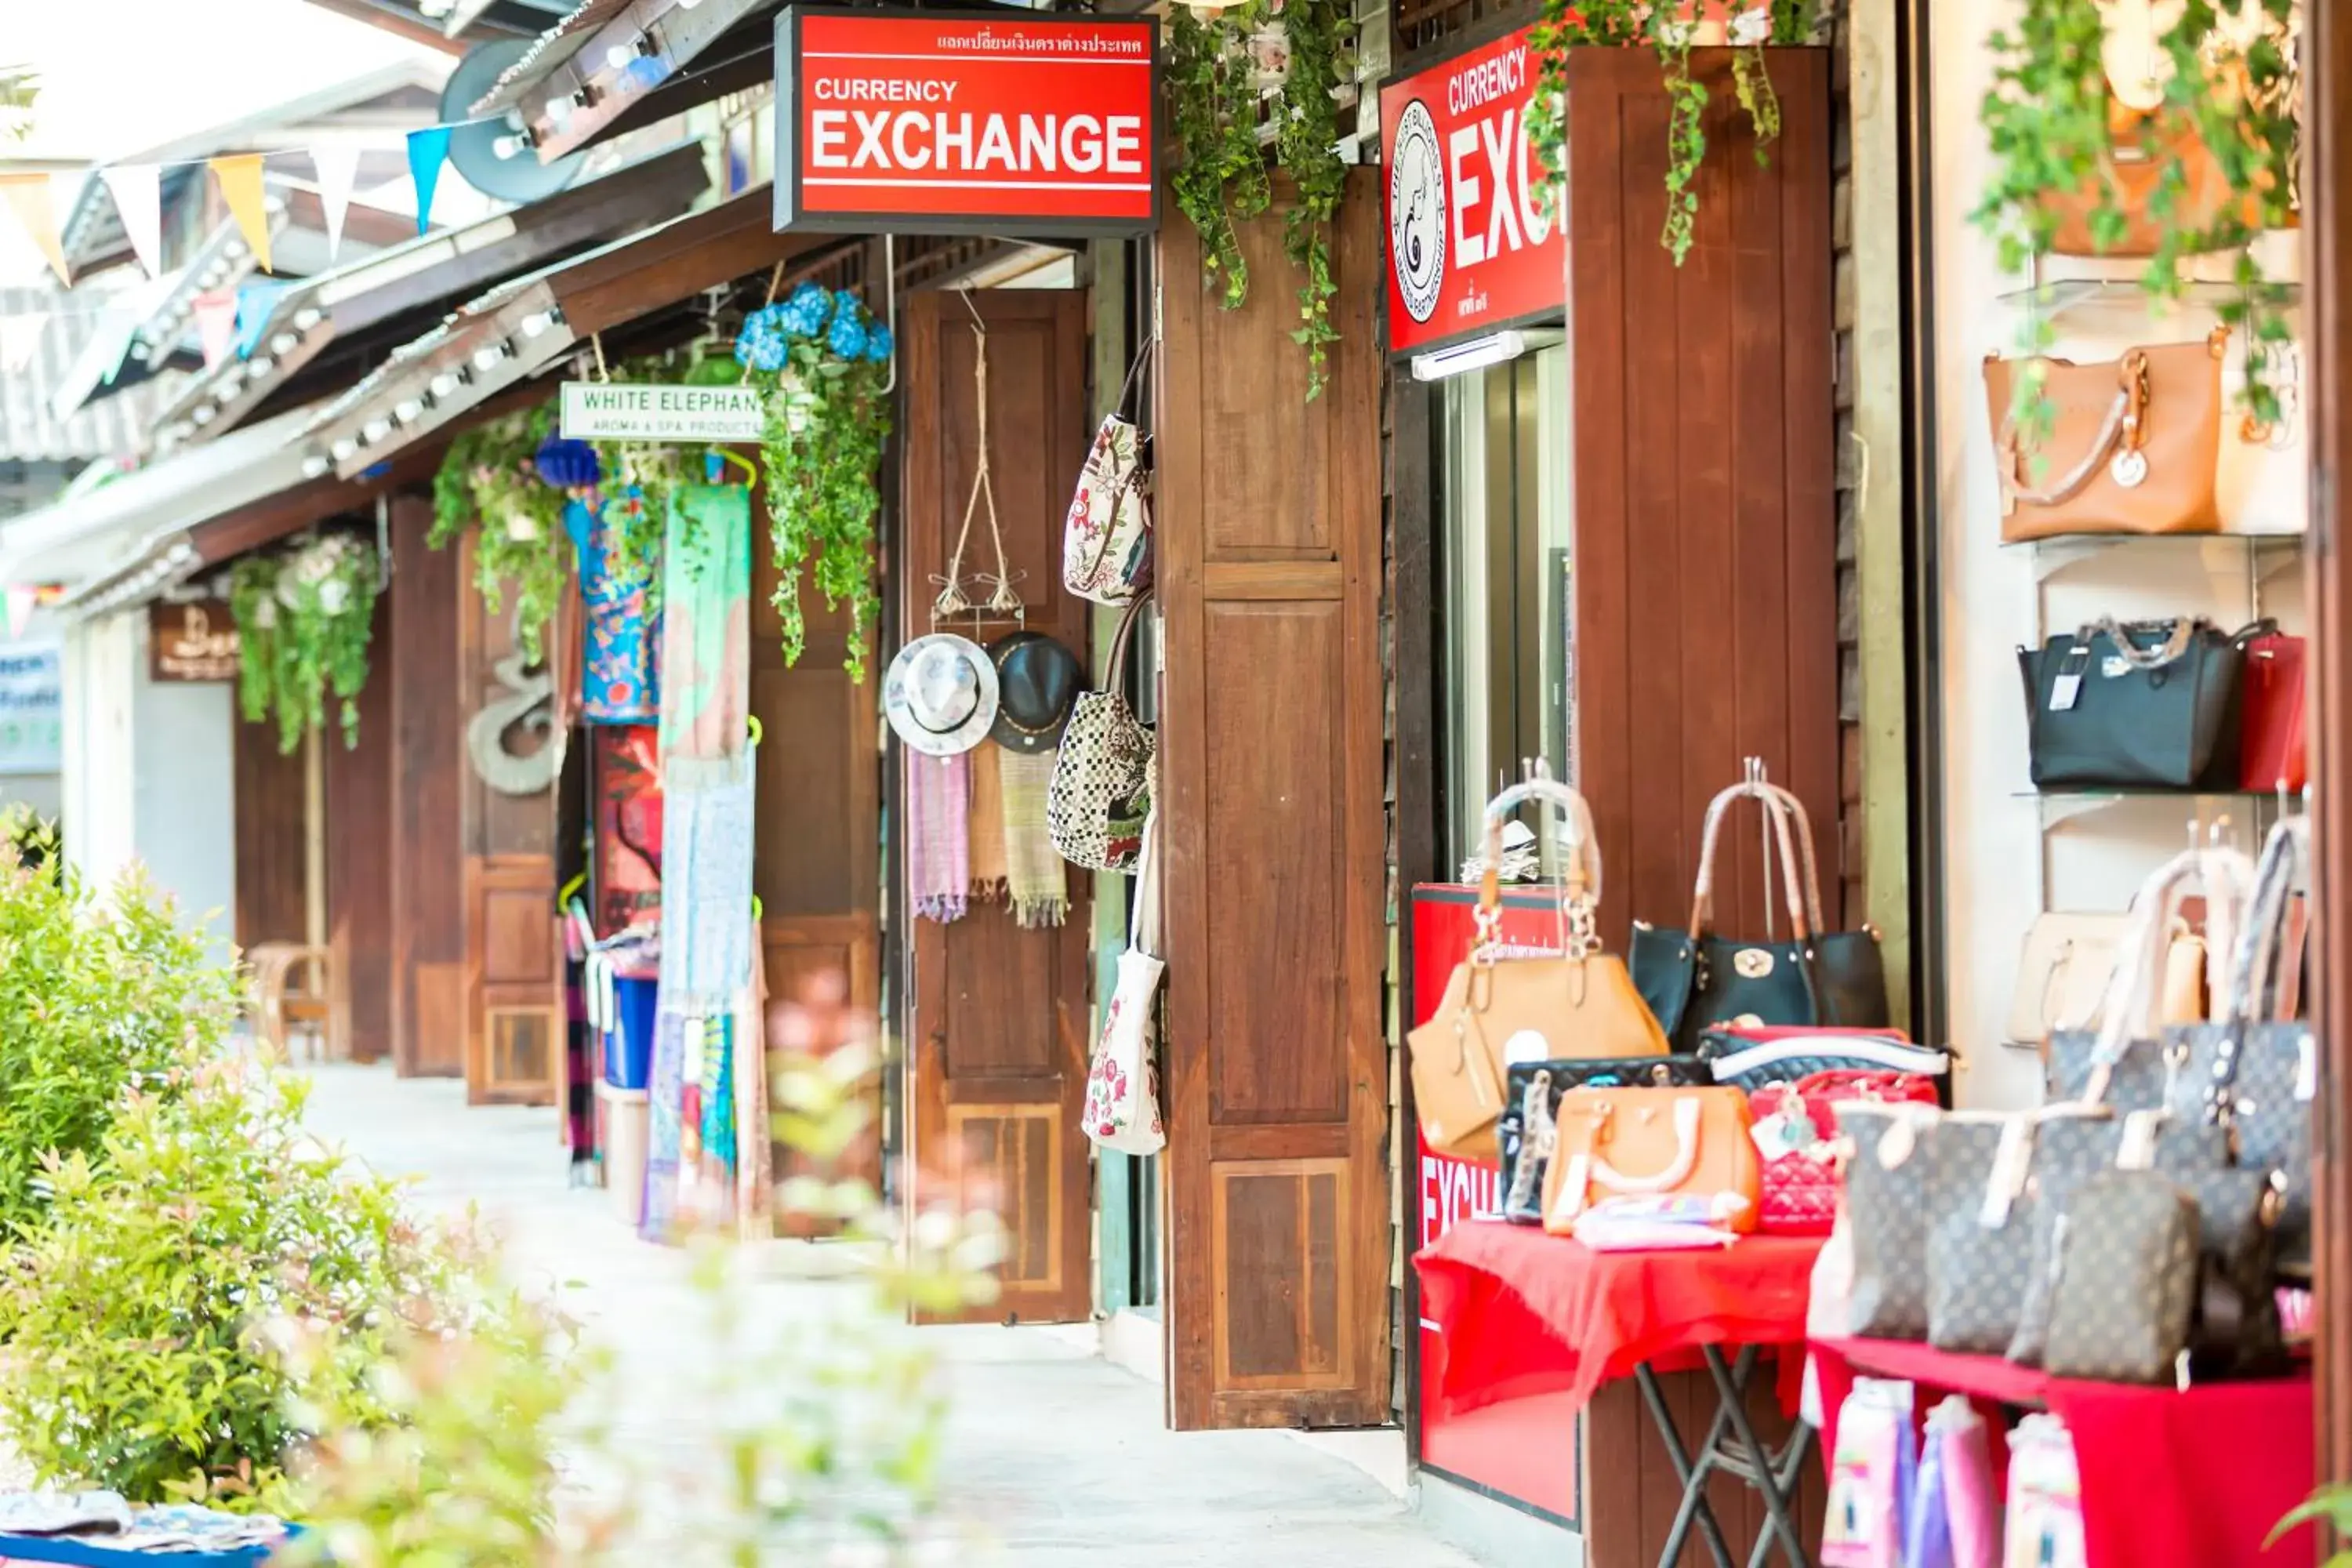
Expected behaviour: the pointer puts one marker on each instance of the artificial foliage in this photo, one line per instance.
(1673, 33)
(304, 618)
(821, 362)
(490, 481)
(1217, 91)
(2047, 118)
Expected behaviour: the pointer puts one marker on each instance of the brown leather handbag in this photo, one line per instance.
(2140, 147)
(1652, 1142)
(1581, 1003)
(2136, 446)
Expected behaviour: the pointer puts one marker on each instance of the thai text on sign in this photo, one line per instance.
(1475, 236)
(617, 411)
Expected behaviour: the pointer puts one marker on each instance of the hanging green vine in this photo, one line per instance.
(491, 478)
(1307, 144)
(1620, 24)
(304, 617)
(822, 361)
(2048, 117)
(1221, 177)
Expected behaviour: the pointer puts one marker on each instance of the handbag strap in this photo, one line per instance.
(1792, 876)
(1687, 1114)
(2125, 423)
(1144, 937)
(1115, 677)
(2226, 878)
(2252, 995)
(2174, 646)
(1802, 827)
(1143, 357)
(1581, 887)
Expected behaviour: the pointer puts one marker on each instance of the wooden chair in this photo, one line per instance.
(290, 996)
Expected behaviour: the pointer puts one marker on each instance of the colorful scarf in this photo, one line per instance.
(665, 1137)
(706, 637)
(938, 822)
(754, 1153)
(1032, 868)
(619, 683)
(989, 868)
(708, 808)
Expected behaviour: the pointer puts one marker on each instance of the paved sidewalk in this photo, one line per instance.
(1060, 1456)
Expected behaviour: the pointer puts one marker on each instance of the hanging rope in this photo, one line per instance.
(1002, 599)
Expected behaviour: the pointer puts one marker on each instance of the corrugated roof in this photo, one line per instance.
(113, 425)
(547, 51)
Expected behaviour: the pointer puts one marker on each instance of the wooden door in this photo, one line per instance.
(272, 898)
(816, 860)
(1273, 828)
(998, 1045)
(428, 865)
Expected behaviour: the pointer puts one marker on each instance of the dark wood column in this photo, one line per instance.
(359, 781)
(427, 880)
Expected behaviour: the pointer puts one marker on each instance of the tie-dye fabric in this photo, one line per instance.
(706, 635)
(620, 681)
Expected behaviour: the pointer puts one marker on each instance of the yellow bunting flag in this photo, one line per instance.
(239, 174)
(28, 197)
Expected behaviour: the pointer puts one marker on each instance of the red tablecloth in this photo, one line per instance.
(2170, 1480)
(1523, 1313)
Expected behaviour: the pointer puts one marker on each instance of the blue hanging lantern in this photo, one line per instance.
(568, 465)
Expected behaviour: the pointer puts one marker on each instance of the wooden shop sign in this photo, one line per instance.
(1476, 238)
(191, 642)
(629, 411)
(945, 121)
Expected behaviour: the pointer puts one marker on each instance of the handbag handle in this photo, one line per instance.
(1703, 891)
(2175, 645)
(2252, 997)
(2131, 995)
(1115, 677)
(1580, 892)
(1144, 937)
(2125, 423)
(1677, 1170)
(1802, 827)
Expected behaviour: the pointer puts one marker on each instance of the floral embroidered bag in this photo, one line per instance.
(1123, 1085)
(1106, 538)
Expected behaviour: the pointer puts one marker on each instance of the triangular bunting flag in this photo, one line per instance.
(239, 174)
(216, 324)
(22, 597)
(338, 169)
(255, 300)
(20, 335)
(427, 149)
(28, 197)
(137, 189)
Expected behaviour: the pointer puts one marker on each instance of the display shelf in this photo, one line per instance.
(2267, 552)
(2060, 804)
(2056, 297)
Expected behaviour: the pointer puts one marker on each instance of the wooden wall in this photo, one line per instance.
(271, 897)
(359, 832)
(1273, 825)
(428, 979)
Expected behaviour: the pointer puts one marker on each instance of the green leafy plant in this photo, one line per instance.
(304, 617)
(20, 88)
(488, 481)
(1670, 30)
(823, 362)
(2331, 1506)
(1307, 144)
(2047, 117)
(100, 996)
(1221, 175)
(151, 1308)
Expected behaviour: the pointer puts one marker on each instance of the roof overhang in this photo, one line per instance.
(591, 70)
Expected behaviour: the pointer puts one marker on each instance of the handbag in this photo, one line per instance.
(1652, 1142)
(1100, 794)
(1693, 979)
(2141, 146)
(1580, 1004)
(1886, 1176)
(1752, 1059)
(2135, 447)
(1990, 1173)
(2273, 752)
(1122, 1107)
(2125, 1285)
(1524, 1134)
(1106, 536)
(2069, 964)
(1795, 1127)
(2151, 705)
(1849, 967)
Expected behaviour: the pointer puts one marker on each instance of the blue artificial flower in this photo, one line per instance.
(848, 304)
(568, 465)
(847, 337)
(803, 315)
(878, 342)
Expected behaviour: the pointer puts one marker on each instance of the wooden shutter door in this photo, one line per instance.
(1273, 824)
(998, 1045)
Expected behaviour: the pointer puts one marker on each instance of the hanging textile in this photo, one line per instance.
(620, 679)
(666, 1126)
(754, 1152)
(1033, 869)
(579, 1047)
(706, 634)
(986, 834)
(628, 803)
(939, 815)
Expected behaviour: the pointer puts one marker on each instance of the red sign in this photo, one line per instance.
(1476, 236)
(956, 122)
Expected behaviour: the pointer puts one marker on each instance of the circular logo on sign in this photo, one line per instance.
(1417, 212)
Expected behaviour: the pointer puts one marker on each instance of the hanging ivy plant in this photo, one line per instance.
(304, 620)
(1673, 33)
(492, 477)
(822, 360)
(1218, 81)
(2049, 119)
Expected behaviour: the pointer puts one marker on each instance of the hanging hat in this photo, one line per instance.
(1037, 679)
(940, 694)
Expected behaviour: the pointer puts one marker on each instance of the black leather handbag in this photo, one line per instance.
(1524, 1133)
(2148, 705)
(1695, 979)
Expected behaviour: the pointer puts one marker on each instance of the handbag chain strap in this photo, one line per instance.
(1538, 1139)
(1580, 888)
(2125, 421)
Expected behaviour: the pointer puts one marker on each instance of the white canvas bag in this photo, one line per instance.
(1106, 536)
(1122, 1109)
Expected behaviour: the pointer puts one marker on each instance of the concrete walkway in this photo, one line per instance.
(1060, 1457)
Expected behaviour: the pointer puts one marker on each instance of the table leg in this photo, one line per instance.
(1774, 1476)
(1695, 1508)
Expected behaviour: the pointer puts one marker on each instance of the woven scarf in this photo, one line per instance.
(938, 825)
(989, 867)
(754, 1142)
(708, 808)
(1032, 868)
(705, 633)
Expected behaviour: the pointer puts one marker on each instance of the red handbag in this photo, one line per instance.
(2273, 749)
(1793, 1127)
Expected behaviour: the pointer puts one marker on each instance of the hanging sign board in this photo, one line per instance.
(960, 123)
(629, 411)
(32, 708)
(1477, 238)
(191, 642)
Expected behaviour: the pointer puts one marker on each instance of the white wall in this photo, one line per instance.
(2008, 854)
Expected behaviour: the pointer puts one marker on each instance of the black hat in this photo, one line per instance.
(1037, 679)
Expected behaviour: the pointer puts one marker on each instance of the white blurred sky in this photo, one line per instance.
(120, 75)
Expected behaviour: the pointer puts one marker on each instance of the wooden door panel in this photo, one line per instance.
(270, 812)
(806, 952)
(428, 890)
(515, 1022)
(998, 1078)
(1273, 823)
(360, 809)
